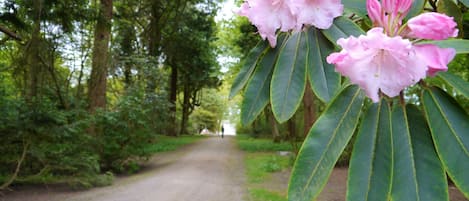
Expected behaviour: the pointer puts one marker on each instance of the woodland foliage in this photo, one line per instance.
(51, 128)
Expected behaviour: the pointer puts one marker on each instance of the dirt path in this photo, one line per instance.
(209, 170)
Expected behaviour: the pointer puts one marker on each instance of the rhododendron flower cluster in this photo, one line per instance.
(387, 58)
(270, 15)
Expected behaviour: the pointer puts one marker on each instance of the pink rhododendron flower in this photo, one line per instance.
(270, 15)
(319, 13)
(436, 58)
(434, 26)
(384, 60)
(377, 62)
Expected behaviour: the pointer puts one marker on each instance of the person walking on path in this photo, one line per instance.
(222, 131)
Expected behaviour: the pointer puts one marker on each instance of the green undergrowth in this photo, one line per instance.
(262, 163)
(167, 143)
(250, 144)
(83, 181)
(265, 195)
(75, 182)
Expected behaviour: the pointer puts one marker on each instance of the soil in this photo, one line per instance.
(209, 170)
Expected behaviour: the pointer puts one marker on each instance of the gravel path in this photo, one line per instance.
(209, 170)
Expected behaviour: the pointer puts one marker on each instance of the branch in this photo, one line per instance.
(10, 33)
(18, 167)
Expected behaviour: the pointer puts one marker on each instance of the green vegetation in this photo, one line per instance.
(262, 163)
(168, 143)
(265, 195)
(250, 144)
(77, 107)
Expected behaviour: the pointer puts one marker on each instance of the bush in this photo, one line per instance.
(53, 140)
(126, 132)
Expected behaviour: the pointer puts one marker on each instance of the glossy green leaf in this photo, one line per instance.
(324, 144)
(289, 78)
(462, 86)
(356, 6)
(342, 28)
(257, 92)
(370, 170)
(248, 67)
(417, 8)
(325, 82)
(460, 45)
(449, 125)
(418, 174)
(465, 2)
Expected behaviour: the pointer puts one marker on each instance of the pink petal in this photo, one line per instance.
(319, 13)
(436, 58)
(268, 16)
(433, 26)
(378, 62)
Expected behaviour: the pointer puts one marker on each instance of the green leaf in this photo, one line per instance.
(465, 2)
(416, 9)
(449, 126)
(325, 82)
(289, 78)
(342, 28)
(257, 92)
(324, 144)
(356, 6)
(370, 170)
(456, 82)
(418, 173)
(248, 67)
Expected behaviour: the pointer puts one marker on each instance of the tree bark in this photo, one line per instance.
(185, 109)
(309, 109)
(32, 51)
(100, 58)
(172, 100)
(273, 124)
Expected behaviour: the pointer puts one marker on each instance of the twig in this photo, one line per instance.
(10, 33)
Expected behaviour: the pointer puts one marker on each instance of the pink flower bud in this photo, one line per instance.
(389, 5)
(375, 12)
(403, 7)
(431, 25)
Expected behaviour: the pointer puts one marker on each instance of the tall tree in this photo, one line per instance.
(100, 58)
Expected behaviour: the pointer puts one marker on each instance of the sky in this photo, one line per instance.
(226, 11)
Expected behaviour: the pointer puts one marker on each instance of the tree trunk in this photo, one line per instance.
(172, 100)
(291, 124)
(309, 109)
(273, 124)
(32, 54)
(100, 58)
(185, 108)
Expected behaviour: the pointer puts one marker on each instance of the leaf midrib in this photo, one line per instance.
(329, 143)
(283, 106)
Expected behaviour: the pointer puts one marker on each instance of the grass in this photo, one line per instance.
(261, 163)
(167, 143)
(260, 166)
(249, 144)
(265, 195)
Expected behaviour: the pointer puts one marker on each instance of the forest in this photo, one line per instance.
(86, 86)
